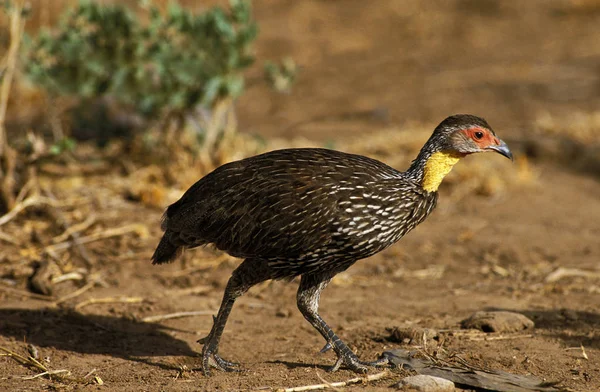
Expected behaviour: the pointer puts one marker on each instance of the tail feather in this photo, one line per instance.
(166, 251)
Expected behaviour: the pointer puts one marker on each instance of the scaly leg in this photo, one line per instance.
(246, 275)
(309, 294)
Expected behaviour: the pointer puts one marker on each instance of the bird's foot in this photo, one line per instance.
(219, 363)
(210, 359)
(352, 362)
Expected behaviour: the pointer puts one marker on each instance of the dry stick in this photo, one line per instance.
(62, 221)
(75, 275)
(562, 272)
(74, 229)
(29, 186)
(119, 231)
(355, 380)
(30, 201)
(581, 348)
(503, 337)
(77, 292)
(48, 373)
(109, 300)
(30, 361)
(23, 360)
(10, 290)
(153, 319)
(7, 155)
(8, 238)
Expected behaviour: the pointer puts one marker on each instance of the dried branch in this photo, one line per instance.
(140, 229)
(109, 300)
(356, 380)
(27, 294)
(7, 155)
(77, 228)
(29, 202)
(562, 272)
(32, 362)
(153, 319)
(93, 280)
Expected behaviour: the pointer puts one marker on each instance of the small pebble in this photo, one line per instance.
(283, 313)
(424, 383)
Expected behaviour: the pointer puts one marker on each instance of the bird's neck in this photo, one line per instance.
(430, 167)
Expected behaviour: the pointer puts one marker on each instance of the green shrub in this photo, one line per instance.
(165, 67)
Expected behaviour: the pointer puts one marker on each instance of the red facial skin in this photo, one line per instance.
(488, 138)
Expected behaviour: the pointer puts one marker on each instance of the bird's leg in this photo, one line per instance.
(308, 297)
(248, 274)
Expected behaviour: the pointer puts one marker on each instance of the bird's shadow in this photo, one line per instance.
(92, 334)
(297, 365)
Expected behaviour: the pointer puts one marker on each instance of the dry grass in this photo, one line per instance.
(91, 217)
(582, 127)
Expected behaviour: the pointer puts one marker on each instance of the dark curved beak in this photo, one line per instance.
(502, 149)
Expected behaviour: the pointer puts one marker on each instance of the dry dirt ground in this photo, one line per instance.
(365, 65)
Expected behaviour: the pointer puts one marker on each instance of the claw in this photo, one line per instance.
(383, 361)
(353, 363)
(358, 367)
(326, 348)
(336, 365)
(223, 364)
(211, 360)
(202, 340)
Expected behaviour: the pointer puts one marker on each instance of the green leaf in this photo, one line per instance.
(211, 90)
(235, 85)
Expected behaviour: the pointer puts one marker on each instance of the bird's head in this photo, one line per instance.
(466, 134)
(454, 138)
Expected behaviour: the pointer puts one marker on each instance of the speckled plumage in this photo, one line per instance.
(312, 212)
(302, 210)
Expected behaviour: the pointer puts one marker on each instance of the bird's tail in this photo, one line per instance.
(166, 251)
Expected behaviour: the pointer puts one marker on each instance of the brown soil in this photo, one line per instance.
(364, 67)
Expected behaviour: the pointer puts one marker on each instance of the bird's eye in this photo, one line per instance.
(478, 135)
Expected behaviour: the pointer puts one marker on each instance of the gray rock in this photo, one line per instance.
(425, 383)
(498, 321)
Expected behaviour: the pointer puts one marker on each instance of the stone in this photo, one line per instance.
(423, 383)
(497, 321)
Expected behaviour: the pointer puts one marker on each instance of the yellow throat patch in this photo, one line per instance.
(437, 166)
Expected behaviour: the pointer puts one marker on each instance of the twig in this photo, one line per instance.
(109, 300)
(503, 337)
(75, 275)
(95, 278)
(30, 361)
(153, 319)
(571, 272)
(71, 230)
(8, 238)
(355, 380)
(23, 293)
(140, 229)
(7, 154)
(581, 348)
(30, 201)
(583, 353)
(48, 373)
(25, 361)
(326, 382)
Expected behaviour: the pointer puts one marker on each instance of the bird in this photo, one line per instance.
(312, 213)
